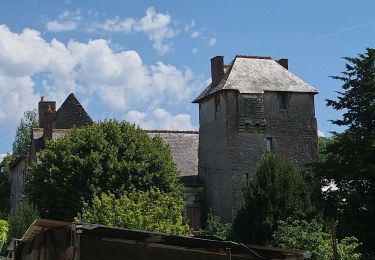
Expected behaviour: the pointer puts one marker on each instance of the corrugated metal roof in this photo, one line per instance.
(248, 74)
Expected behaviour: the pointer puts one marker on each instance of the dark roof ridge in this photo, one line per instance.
(172, 131)
(254, 57)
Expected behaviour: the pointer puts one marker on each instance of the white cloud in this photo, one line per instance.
(194, 50)
(116, 25)
(119, 79)
(160, 119)
(66, 21)
(56, 26)
(211, 41)
(190, 26)
(157, 26)
(195, 34)
(321, 134)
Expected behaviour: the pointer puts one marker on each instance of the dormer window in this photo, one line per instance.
(283, 101)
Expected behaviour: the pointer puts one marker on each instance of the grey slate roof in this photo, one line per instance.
(183, 144)
(184, 147)
(256, 75)
(37, 134)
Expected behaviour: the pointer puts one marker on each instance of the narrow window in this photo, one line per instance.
(217, 103)
(282, 97)
(269, 144)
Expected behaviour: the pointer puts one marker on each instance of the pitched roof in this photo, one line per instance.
(252, 74)
(37, 135)
(183, 144)
(184, 147)
(71, 113)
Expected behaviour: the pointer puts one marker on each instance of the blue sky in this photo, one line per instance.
(145, 61)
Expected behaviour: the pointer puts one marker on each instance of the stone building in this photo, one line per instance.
(253, 105)
(52, 125)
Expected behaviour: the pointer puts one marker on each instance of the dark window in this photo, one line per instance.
(217, 103)
(282, 97)
(269, 144)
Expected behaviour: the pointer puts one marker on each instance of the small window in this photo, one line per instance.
(269, 144)
(217, 103)
(282, 97)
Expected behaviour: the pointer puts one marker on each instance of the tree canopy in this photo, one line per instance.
(350, 163)
(276, 192)
(108, 157)
(141, 210)
(23, 133)
(311, 236)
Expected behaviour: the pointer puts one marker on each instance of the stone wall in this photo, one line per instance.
(233, 139)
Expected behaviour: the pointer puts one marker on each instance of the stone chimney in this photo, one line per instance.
(43, 107)
(48, 123)
(217, 69)
(283, 62)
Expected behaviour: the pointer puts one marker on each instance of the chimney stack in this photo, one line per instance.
(48, 123)
(217, 69)
(43, 106)
(283, 62)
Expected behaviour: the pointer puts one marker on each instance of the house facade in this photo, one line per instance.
(253, 105)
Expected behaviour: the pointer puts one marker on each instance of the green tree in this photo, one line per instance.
(19, 220)
(5, 186)
(141, 210)
(23, 133)
(214, 227)
(109, 157)
(350, 162)
(3, 232)
(276, 192)
(310, 236)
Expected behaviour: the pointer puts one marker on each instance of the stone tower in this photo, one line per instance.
(253, 105)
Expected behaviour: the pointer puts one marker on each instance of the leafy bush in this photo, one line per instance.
(276, 192)
(20, 220)
(110, 157)
(310, 236)
(3, 232)
(150, 210)
(215, 227)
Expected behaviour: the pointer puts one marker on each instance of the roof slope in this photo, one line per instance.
(256, 75)
(71, 113)
(183, 144)
(184, 147)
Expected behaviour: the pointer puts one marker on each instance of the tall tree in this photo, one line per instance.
(4, 186)
(23, 133)
(109, 157)
(276, 192)
(350, 162)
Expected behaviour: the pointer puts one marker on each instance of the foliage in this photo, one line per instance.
(110, 157)
(5, 186)
(350, 163)
(276, 192)
(310, 236)
(3, 232)
(214, 227)
(23, 133)
(323, 144)
(150, 210)
(20, 220)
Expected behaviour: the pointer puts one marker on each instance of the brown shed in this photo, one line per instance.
(56, 240)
